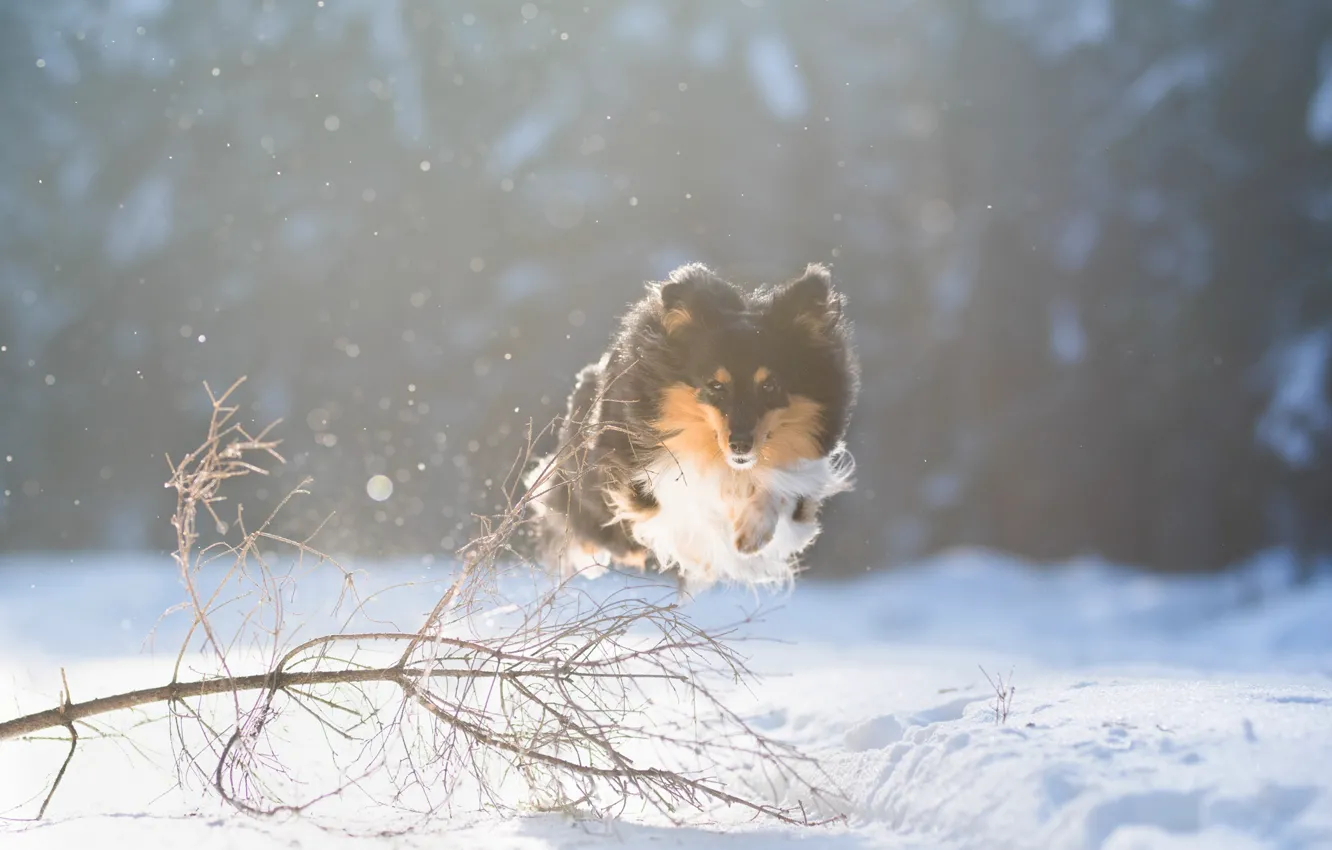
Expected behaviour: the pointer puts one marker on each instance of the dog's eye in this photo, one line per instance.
(769, 387)
(716, 387)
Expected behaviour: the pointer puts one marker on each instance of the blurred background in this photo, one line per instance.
(1087, 246)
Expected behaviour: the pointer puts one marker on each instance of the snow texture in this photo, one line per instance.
(1057, 26)
(144, 221)
(774, 71)
(1319, 120)
(1149, 712)
(1299, 411)
(1068, 341)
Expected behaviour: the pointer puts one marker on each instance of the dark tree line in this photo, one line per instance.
(1086, 246)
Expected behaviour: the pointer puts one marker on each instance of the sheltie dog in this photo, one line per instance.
(707, 437)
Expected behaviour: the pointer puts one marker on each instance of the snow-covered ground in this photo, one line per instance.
(1149, 712)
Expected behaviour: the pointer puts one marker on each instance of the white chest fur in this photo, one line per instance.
(718, 524)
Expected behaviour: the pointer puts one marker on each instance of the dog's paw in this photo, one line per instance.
(756, 525)
(751, 540)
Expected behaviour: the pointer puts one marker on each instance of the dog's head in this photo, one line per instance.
(761, 379)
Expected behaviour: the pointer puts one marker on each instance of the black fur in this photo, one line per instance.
(799, 330)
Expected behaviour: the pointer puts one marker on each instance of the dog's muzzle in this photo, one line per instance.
(741, 454)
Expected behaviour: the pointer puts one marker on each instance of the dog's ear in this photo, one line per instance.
(810, 302)
(678, 293)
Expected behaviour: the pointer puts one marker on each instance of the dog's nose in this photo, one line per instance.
(741, 444)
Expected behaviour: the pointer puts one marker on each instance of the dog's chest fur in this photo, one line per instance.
(717, 524)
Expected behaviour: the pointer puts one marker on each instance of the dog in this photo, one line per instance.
(707, 437)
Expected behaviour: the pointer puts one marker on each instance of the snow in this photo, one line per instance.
(1187, 70)
(523, 140)
(1077, 241)
(1068, 341)
(143, 223)
(1149, 712)
(1298, 412)
(1056, 26)
(773, 69)
(708, 44)
(643, 24)
(1319, 118)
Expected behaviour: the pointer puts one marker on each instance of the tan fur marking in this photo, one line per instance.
(790, 434)
(675, 319)
(636, 559)
(595, 552)
(761, 374)
(691, 430)
(722, 375)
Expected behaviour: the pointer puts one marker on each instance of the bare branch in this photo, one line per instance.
(590, 704)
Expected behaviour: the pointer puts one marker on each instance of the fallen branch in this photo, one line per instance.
(591, 704)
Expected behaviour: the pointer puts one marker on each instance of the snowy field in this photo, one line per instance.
(1149, 713)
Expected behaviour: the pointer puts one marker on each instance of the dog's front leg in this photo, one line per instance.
(806, 510)
(755, 520)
